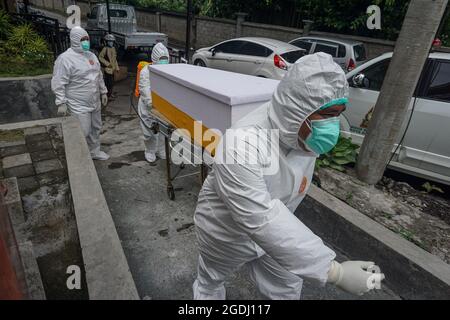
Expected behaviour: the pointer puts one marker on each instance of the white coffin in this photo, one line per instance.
(217, 98)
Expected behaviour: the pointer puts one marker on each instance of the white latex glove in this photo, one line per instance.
(62, 110)
(104, 99)
(353, 277)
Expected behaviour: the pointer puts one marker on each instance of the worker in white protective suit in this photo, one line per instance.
(244, 216)
(154, 142)
(80, 90)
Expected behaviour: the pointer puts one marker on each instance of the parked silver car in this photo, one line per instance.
(262, 57)
(425, 149)
(347, 53)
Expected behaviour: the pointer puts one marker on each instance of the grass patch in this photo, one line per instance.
(11, 135)
(13, 70)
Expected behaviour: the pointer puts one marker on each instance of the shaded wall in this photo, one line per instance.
(26, 98)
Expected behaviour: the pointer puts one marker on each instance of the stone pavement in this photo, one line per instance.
(44, 221)
(157, 234)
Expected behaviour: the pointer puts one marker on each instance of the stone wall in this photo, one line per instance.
(211, 31)
(26, 98)
(146, 19)
(174, 26)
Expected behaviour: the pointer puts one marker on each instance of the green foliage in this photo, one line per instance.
(5, 25)
(445, 33)
(343, 153)
(408, 235)
(25, 44)
(24, 52)
(431, 187)
(349, 16)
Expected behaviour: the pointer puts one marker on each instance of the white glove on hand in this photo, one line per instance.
(104, 99)
(62, 110)
(353, 277)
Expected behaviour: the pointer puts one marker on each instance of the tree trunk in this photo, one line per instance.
(411, 51)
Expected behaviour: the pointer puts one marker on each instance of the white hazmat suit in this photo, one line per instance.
(244, 216)
(78, 83)
(154, 142)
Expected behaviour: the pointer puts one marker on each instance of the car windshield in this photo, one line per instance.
(293, 56)
(360, 52)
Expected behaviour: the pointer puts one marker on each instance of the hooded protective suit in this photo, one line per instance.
(244, 216)
(78, 82)
(154, 144)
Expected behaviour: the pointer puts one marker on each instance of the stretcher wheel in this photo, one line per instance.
(171, 193)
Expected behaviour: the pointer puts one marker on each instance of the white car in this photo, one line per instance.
(425, 149)
(262, 57)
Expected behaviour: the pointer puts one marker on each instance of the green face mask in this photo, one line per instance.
(85, 45)
(324, 135)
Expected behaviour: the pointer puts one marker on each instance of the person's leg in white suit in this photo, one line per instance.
(154, 142)
(218, 259)
(273, 281)
(91, 125)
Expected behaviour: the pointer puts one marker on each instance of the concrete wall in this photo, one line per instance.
(26, 98)
(61, 5)
(250, 29)
(174, 26)
(146, 19)
(210, 31)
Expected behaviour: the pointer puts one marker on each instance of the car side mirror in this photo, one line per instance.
(213, 52)
(358, 80)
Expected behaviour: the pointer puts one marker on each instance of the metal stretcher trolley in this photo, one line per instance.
(203, 103)
(163, 125)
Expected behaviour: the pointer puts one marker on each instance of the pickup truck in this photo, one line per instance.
(123, 27)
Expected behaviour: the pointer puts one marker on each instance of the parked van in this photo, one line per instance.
(425, 150)
(347, 53)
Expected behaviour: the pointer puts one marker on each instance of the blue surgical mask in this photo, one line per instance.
(324, 135)
(163, 61)
(85, 45)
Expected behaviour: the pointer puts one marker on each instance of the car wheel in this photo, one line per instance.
(199, 63)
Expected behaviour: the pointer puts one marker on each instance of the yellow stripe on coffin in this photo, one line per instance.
(181, 120)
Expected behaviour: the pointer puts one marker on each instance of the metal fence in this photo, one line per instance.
(57, 35)
(50, 28)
